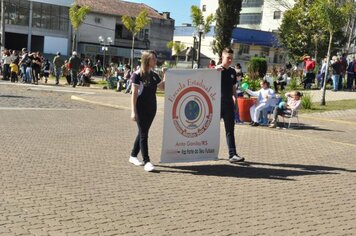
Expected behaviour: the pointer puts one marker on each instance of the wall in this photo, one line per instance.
(160, 33)
(89, 31)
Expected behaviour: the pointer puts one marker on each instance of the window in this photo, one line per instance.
(143, 35)
(252, 3)
(250, 18)
(118, 32)
(244, 49)
(97, 20)
(146, 34)
(52, 17)
(264, 51)
(16, 12)
(204, 8)
(277, 15)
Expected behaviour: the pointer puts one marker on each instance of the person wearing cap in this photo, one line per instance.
(309, 65)
(74, 67)
(58, 62)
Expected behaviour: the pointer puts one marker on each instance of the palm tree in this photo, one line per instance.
(202, 25)
(77, 16)
(198, 19)
(135, 25)
(177, 47)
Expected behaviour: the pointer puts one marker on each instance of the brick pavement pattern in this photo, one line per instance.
(65, 171)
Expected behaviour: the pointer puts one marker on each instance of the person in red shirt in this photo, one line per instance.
(85, 75)
(309, 66)
(212, 64)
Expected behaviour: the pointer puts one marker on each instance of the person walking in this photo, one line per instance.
(58, 62)
(6, 61)
(144, 106)
(336, 71)
(228, 88)
(74, 67)
(22, 63)
(36, 67)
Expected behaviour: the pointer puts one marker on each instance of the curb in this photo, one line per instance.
(76, 98)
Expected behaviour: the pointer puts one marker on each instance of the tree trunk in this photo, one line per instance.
(74, 41)
(322, 103)
(353, 25)
(132, 52)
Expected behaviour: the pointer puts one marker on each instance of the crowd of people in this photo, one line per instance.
(31, 67)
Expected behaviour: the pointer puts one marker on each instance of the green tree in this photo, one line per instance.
(201, 25)
(77, 16)
(298, 32)
(332, 15)
(301, 32)
(227, 17)
(198, 19)
(135, 25)
(177, 47)
(257, 67)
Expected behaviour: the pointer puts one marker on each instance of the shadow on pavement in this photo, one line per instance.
(12, 96)
(313, 168)
(308, 127)
(248, 170)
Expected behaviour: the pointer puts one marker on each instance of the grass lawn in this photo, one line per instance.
(331, 106)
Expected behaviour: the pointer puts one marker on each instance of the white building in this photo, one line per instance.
(44, 26)
(39, 25)
(104, 19)
(246, 43)
(263, 15)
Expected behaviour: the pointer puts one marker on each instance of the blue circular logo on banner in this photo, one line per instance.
(192, 110)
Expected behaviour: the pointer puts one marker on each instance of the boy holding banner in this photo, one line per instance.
(228, 88)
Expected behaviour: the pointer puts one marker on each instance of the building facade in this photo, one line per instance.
(246, 43)
(263, 15)
(44, 25)
(39, 25)
(104, 19)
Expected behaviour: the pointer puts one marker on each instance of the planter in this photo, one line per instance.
(111, 83)
(244, 105)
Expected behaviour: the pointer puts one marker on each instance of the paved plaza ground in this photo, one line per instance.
(64, 171)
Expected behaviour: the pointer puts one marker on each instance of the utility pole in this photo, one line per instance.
(2, 26)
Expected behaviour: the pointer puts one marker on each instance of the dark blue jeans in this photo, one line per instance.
(228, 115)
(144, 121)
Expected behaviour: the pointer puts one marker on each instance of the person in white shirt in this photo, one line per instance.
(264, 98)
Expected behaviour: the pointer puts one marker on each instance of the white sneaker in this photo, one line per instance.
(149, 167)
(135, 161)
(236, 158)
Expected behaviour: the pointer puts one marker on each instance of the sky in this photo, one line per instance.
(179, 9)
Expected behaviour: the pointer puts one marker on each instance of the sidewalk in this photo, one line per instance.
(121, 100)
(66, 172)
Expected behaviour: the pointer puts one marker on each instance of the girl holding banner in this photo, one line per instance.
(144, 106)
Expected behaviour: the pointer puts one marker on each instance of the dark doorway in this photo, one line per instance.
(37, 43)
(15, 41)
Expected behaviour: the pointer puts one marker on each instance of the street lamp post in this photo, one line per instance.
(105, 44)
(2, 27)
(200, 32)
(193, 48)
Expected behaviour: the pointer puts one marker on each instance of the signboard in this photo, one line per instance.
(191, 129)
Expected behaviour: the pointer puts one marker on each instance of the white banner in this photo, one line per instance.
(191, 130)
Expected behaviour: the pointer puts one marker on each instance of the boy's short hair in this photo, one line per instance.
(228, 50)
